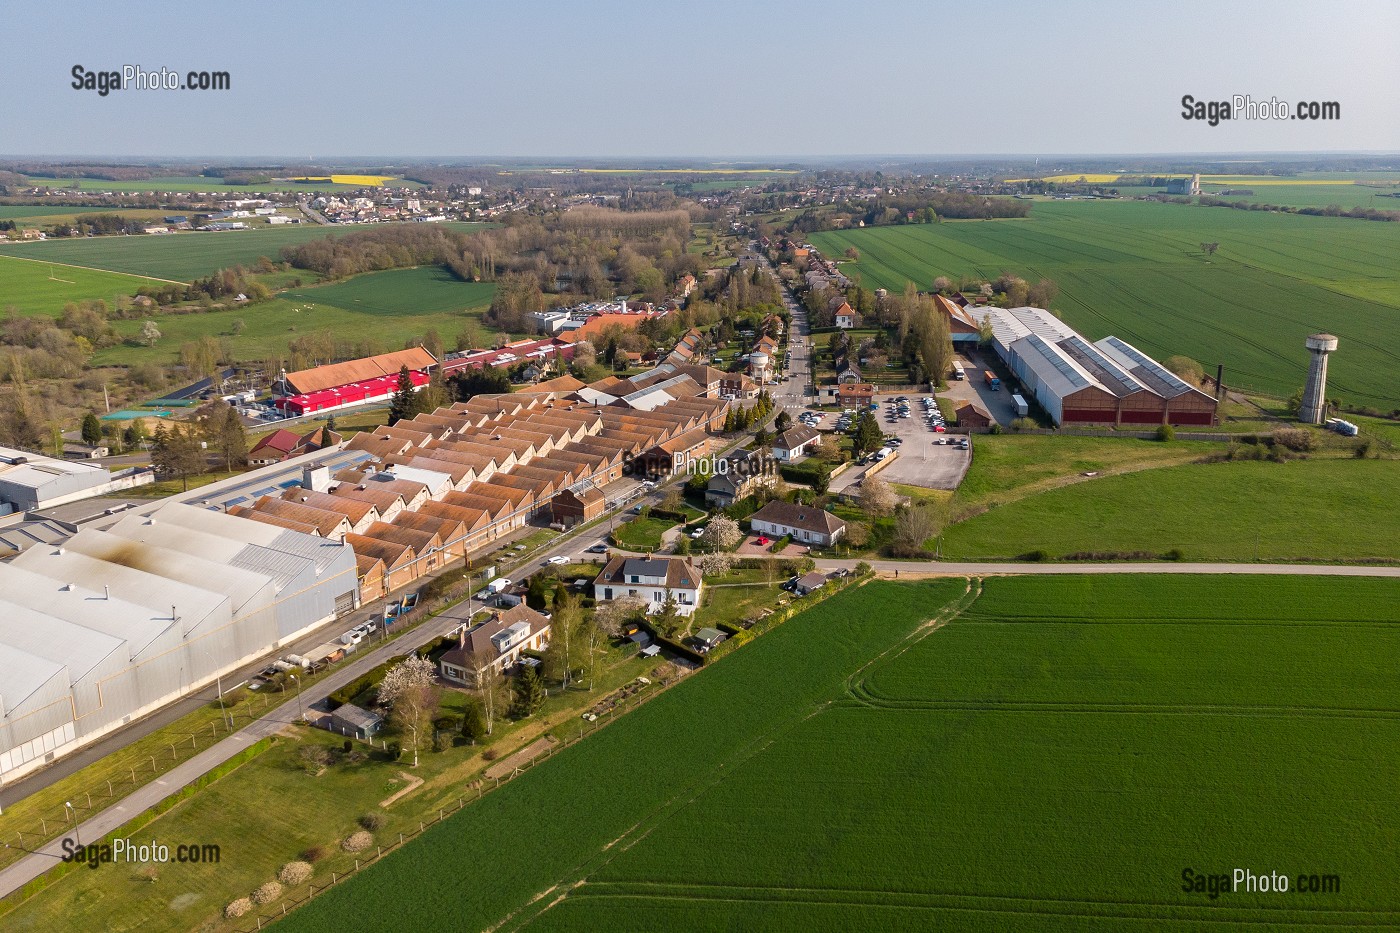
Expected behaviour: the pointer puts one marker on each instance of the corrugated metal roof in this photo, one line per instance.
(1116, 379)
(1160, 379)
(77, 647)
(24, 674)
(136, 625)
(1052, 366)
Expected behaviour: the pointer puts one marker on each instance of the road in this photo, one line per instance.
(952, 569)
(796, 392)
(317, 216)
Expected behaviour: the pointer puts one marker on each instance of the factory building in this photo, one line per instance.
(1077, 381)
(113, 624)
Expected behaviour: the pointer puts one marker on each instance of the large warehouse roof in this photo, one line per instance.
(1052, 366)
(1161, 380)
(338, 374)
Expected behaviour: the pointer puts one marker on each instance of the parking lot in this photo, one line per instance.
(922, 460)
(974, 389)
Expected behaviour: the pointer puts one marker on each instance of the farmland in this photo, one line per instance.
(1135, 269)
(1310, 510)
(1139, 725)
(389, 307)
(182, 257)
(41, 288)
(208, 184)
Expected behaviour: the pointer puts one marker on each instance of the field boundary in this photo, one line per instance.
(73, 265)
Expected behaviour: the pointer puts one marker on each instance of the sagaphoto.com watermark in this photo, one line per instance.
(1244, 107)
(134, 77)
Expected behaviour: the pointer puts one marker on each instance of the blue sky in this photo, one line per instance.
(717, 79)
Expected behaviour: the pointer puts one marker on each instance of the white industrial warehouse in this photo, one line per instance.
(113, 624)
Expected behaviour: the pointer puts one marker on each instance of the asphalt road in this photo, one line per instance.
(948, 569)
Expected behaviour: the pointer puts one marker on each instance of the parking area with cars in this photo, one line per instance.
(915, 429)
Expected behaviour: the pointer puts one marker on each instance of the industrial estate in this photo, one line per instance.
(996, 543)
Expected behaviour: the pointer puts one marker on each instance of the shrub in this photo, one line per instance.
(372, 821)
(1173, 554)
(314, 854)
(1036, 555)
(294, 873)
(267, 893)
(863, 569)
(1296, 439)
(1024, 424)
(238, 908)
(357, 842)
(347, 746)
(1166, 432)
(1362, 450)
(994, 429)
(490, 755)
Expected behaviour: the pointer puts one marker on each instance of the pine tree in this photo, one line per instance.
(403, 405)
(474, 722)
(92, 430)
(529, 693)
(535, 595)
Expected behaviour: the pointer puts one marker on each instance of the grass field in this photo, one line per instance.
(389, 307)
(1310, 510)
(182, 256)
(42, 288)
(1050, 760)
(1135, 269)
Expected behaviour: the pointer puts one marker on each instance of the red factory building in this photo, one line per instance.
(354, 382)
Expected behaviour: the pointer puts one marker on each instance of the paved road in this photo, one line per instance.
(951, 569)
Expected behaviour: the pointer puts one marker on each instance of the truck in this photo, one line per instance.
(883, 452)
(1344, 428)
(992, 380)
(958, 372)
(1022, 409)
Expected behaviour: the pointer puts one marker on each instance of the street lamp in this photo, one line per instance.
(301, 715)
(67, 808)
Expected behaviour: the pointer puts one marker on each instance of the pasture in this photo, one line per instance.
(44, 288)
(182, 257)
(1135, 269)
(1052, 758)
(1300, 511)
(388, 307)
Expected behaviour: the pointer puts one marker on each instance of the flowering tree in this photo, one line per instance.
(409, 690)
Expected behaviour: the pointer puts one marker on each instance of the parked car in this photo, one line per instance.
(558, 560)
(599, 548)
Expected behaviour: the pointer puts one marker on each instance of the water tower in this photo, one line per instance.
(1314, 407)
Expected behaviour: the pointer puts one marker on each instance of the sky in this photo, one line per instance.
(744, 80)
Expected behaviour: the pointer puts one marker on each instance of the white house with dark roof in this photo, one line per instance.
(792, 445)
(805, 523)
(652, 580)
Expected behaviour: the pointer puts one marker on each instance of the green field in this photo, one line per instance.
(389, 307)
(41, 288)
(1135, 269)
(1052, 759)
(188, 183)
(181, 256)
(1306, 510)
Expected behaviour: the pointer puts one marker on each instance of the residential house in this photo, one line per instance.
(805, 523)
(736, 477)
(792, 445)
(496, 644)
(652, 580)
(846, 318)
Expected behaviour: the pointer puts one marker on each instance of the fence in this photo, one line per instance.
(59, 819)
(482, 786)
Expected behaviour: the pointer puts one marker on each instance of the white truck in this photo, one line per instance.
(1022, 409)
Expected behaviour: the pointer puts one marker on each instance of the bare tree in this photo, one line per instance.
(563, 630)
(876, 497)
(912, 528)
(409, 689)
(487, 677)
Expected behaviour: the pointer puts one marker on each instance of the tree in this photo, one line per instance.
(150, 333)
(92, 430)
(667, 619)
(224, 432)
(716, 564)
(487, 679)
(782, 422)
(410, 692)
(536, 595)
(564, 627)
(177, 451)
(876, 497)
(821, 482)
(912, 528)
(857, 534)
(868, 436)
(474, 722)
(1185, 368)
(529, 693)
(722, 533)
(403, 405)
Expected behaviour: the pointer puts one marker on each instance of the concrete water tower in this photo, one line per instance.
(1314, 407)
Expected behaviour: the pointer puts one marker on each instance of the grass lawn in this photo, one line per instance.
(641, 534)
(195, 183)
(1050, 759)
(1006, 467)
(396, 292)
(1308, 510)
(41, 288)
(735, 602)
(1135, 269)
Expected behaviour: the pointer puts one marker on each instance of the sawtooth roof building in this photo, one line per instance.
(1077, 381)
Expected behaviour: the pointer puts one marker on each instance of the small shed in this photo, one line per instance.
(708, 638)
(349, 719)
(972, 415)
(809, 582)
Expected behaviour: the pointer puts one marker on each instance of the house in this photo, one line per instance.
(845, 317)
(804, 523)
(792, 445)
(848, 373)
(855, 395)
(496, 644)
(737, 386)
(349, 719)
(972, 415)
(809, 582)
(274, 448)
(736, 477)
(652, 580)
